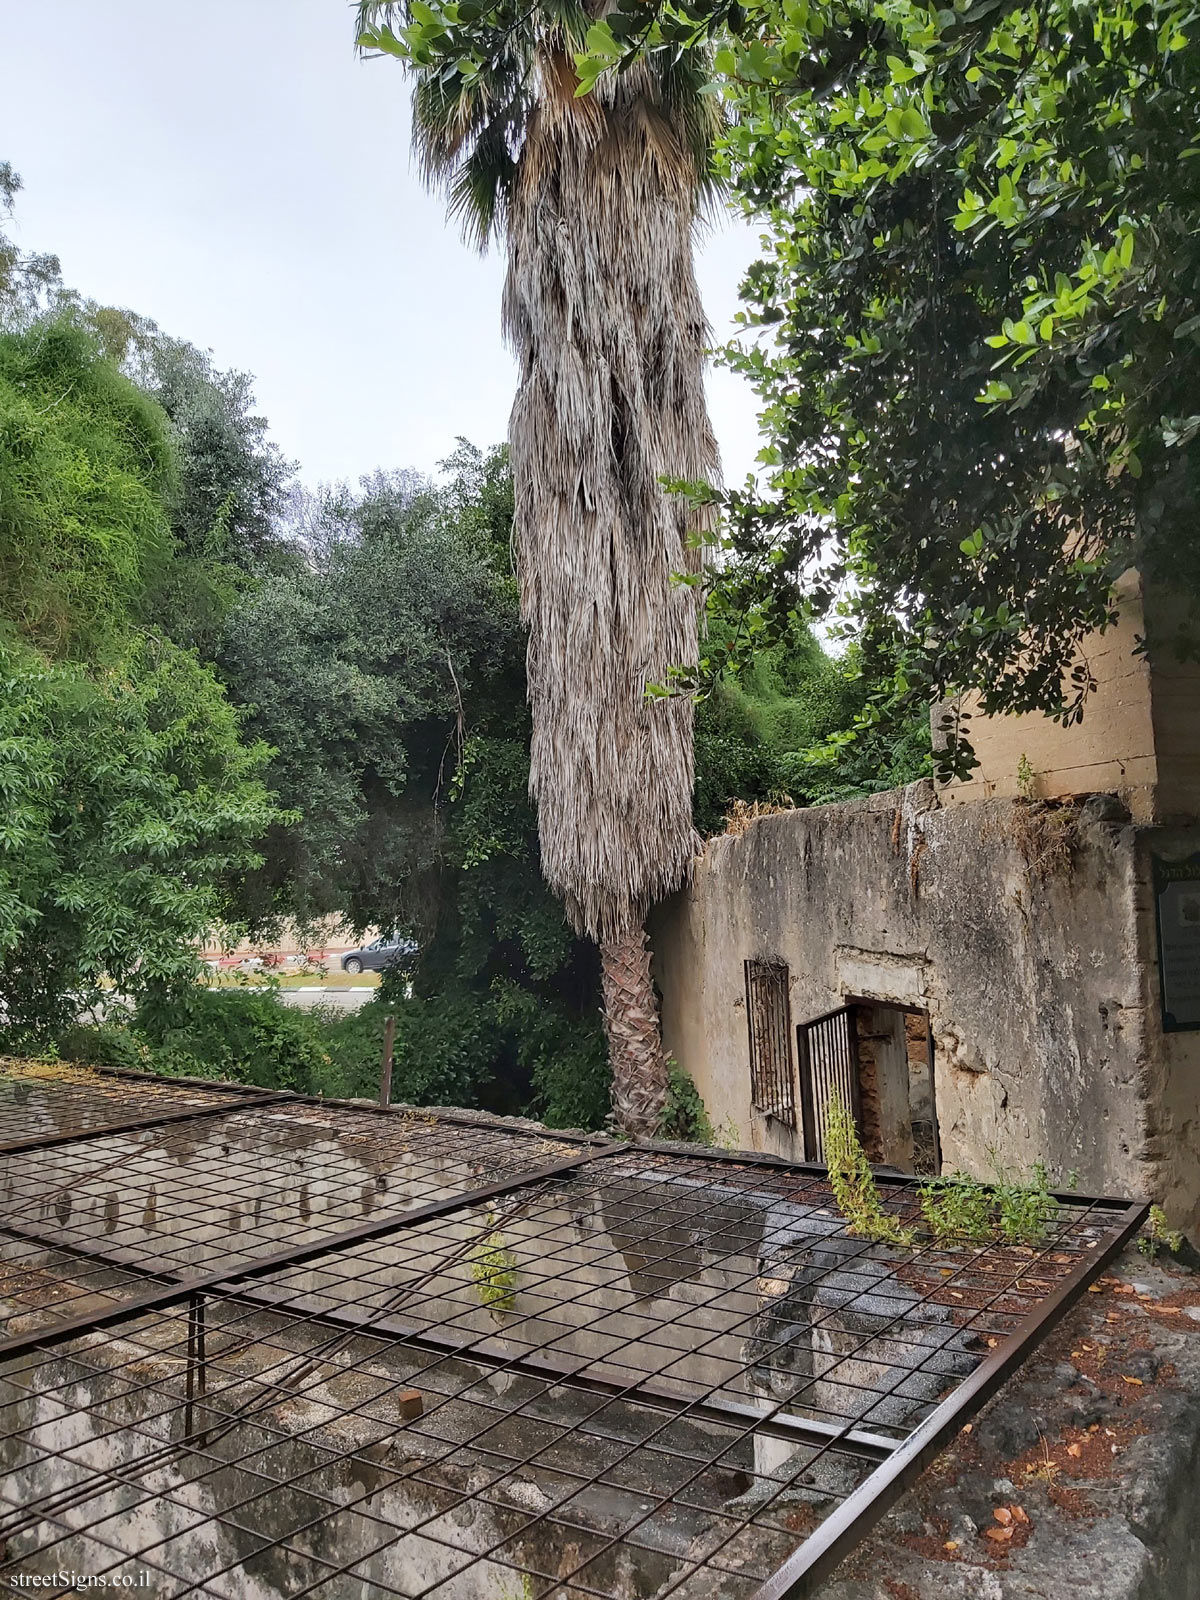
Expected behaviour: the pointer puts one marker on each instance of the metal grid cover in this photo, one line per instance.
(592, 1371)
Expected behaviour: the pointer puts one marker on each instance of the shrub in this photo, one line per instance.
(685, 1116)
(106, 1044)
(244, 1036)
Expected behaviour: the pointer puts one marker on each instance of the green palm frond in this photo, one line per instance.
(481, 77)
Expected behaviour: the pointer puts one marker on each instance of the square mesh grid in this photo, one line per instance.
(53, 1102)
(656, 1374)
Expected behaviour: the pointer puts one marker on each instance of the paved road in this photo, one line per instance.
(343, 999)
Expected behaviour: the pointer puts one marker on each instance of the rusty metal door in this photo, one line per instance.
(827, 1049)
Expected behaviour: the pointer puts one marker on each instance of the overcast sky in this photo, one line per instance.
(233, 171)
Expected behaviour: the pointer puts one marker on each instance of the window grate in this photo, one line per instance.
(768, 1018)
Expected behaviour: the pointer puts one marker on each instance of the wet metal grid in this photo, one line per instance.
(607, 1372)
(43, 1106)
(242, 1181)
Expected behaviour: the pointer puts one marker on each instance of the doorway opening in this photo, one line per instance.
(878, 1059)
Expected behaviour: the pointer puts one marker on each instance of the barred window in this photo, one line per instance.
(769, 1019)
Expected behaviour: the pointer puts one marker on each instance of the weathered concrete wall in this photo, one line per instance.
(1026, 933)
(1139, 738)
(1112, 749)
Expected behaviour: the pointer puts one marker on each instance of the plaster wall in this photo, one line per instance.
(1112, 749)
(1040, 981)
(1139, 737)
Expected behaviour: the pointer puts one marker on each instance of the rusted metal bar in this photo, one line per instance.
(824, 1549)
(55, 1141)
(297, 1255)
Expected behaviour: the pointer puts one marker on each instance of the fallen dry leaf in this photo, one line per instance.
(1020, 1513)
(1003, 1516)
(1095, 1288)
(992, 1343)
(998, 1535)
(1128, 1379)
(950, 1544)
(1075, 1450)
(966, 1427)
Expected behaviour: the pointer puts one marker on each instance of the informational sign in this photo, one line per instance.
(1177, 903)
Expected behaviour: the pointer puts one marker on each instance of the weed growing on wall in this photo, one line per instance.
(854, 1188)
(494, 1271)
(1158, 1236)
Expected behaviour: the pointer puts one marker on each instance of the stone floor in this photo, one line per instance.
(1081, 1481)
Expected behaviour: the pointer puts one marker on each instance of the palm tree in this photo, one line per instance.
(596, 198)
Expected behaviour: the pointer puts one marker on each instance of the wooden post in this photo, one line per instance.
(385, 1072)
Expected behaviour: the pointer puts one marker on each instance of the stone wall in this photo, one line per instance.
(1027, 934)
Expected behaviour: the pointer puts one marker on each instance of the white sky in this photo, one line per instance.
(230, 169)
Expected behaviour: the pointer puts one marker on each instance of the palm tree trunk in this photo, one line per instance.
(639, 1069)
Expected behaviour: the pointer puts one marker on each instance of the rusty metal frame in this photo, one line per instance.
(824, 1549)
(847, 1015)
(772, 1071)
(896, 1462)
(55, 1141)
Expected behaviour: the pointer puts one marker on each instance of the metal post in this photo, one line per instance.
(385, 1071)
(190, 1390)
(197, 1377)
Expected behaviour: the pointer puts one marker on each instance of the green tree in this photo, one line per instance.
(131, 802)
(131, 809)
(354, 668)
(979, 375)
(29, 283)
(389, 677)
(233, 484)
(596, 198)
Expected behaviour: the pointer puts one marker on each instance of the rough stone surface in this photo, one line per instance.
(1118, 1520)
(1025, 932)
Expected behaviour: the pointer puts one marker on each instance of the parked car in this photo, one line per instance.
(377, 955)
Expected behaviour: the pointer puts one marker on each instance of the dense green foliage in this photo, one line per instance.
(765, 732)
(85, 464)
(388, 675)
(132, 803)
(361, 668)
(980, 368)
